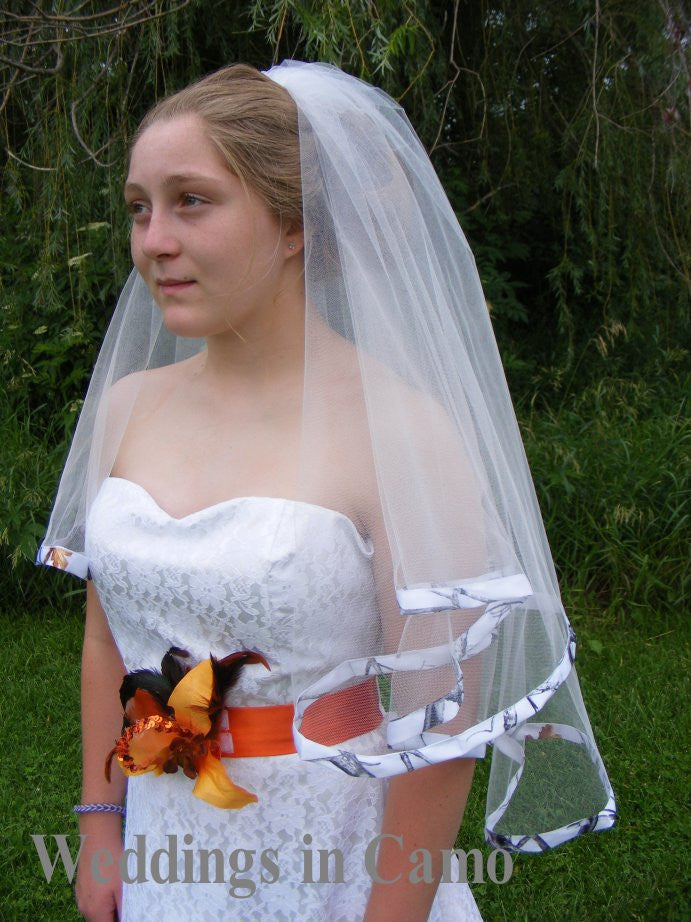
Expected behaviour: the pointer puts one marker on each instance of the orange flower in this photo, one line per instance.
(191, 698)
(162, 737)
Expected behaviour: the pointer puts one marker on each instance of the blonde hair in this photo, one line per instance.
(253, 123)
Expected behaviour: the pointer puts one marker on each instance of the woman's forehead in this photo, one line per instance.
(178, 148)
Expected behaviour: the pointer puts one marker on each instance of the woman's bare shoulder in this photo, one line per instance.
(141, 389)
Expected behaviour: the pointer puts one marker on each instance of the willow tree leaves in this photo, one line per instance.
(559, 129)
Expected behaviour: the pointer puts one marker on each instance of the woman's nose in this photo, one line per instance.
(159, 239)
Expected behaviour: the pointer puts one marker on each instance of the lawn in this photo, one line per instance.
(634, 683)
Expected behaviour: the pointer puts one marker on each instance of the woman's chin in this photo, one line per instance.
(185, 323)
(197, 323)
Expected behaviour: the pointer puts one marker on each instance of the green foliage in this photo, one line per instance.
(389, 40)
(558, 127)
(64, 248)
(580, 157)
(495, 254)
(611, 473)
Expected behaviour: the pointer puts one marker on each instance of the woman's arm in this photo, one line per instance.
(102, 673)
(424, 810)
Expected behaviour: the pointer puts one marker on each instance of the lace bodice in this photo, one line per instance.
(231, 576)
(243, 574)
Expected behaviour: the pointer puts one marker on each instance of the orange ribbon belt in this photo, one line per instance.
(333, 718)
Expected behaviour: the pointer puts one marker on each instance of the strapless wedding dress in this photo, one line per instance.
(235, 576)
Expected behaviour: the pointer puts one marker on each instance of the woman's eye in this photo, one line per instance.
(136, 208)
(188, 199)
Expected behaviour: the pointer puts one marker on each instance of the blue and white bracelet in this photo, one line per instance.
(100, 808)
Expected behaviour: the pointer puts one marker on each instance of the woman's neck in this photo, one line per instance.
(265, 351)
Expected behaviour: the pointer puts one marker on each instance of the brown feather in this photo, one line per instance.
(226, 672)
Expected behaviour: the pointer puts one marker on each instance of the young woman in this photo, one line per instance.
(299, 491)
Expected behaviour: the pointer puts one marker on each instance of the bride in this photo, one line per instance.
(300, 496)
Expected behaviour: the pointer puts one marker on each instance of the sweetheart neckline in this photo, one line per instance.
(364, 540)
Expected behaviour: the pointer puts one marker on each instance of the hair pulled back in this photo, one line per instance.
(253, 123)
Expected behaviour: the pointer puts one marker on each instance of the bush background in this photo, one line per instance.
(559, 129)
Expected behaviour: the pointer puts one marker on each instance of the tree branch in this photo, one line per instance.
(41, 169)
(29, 69)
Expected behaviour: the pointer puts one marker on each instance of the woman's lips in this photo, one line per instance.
(174, 286)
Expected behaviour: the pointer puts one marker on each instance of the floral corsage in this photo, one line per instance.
(171, 721)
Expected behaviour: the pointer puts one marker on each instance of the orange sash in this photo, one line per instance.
(333, 718)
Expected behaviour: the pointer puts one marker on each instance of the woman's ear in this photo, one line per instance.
(294, 240)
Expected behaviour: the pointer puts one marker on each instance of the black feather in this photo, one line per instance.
(226, 671)
(172, 665)
(149, 680)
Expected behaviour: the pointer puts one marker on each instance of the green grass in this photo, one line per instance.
(634, 688)
(611, 472)
(636, 691)
(41, 763)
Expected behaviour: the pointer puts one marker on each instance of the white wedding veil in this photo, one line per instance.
(406, 409)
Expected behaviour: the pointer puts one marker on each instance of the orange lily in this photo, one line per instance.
(162, 736)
